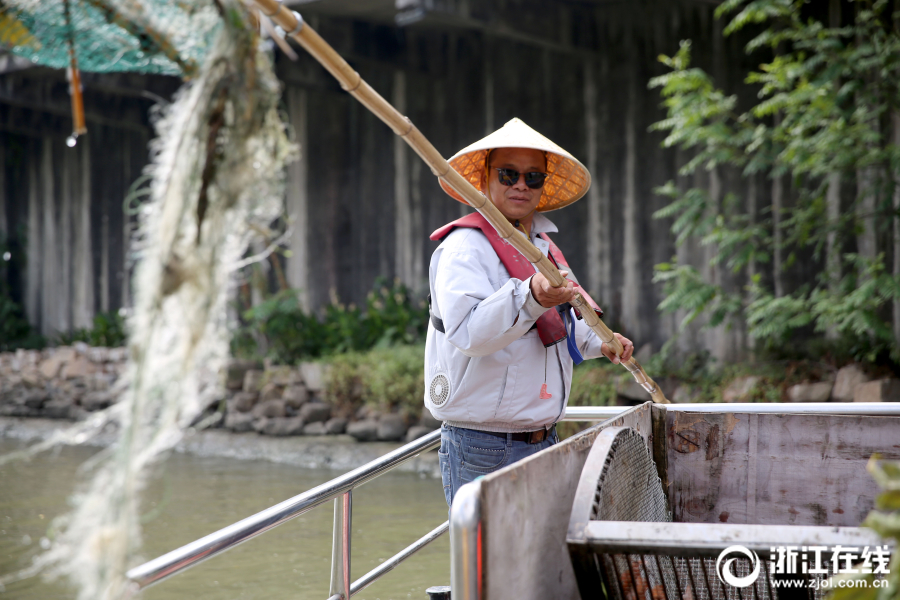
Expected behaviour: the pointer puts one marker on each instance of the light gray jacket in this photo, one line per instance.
(486, 371)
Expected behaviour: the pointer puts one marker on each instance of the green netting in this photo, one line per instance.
(150, 36)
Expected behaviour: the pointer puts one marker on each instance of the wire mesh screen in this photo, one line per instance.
(628, 489)
(666, 577)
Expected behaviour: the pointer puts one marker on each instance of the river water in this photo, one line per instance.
(194, 496)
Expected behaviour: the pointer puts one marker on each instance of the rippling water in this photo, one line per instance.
(195, 496)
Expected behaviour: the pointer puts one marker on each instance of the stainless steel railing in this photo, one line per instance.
(466, 507)
(339, 489)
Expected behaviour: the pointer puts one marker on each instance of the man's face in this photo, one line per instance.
(518, 200)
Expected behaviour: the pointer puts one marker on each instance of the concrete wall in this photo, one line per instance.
(577, 73)
(361, 203)
(62, 207)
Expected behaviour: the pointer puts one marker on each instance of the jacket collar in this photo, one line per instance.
(541, 224)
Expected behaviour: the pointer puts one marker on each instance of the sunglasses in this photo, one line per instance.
(533, 179)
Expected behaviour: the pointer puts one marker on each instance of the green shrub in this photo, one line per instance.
(108, 330)
(391, 378)
(15, 331)
(289, 334)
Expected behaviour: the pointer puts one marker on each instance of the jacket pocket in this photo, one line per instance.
(507, 395)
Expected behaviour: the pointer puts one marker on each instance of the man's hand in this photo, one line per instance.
(549, 296)
(628, 349)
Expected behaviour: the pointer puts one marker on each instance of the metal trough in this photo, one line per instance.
(749, 474)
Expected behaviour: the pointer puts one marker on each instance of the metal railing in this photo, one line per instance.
(464, 518)
(338, 489)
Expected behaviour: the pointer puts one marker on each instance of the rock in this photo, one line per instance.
(244, 401)
(51, 367)
(295, 396)
(740, 389)
(883, 390)
(429, 421)
(96, 400)
(315, 411)
(212, 420)
(80, 367)
(644, 353)
(314, 374)
(239, 422)
(252, 380)
(270, 391)
(118, 355)
(336, 425)
(364, 431)
(281, 426)
(98, 354)
(810, 392)
(64, 354)
(628, 388)
(58, 408)
(81, 348)
(283, 376)
(391, 428)
(417, 431)
(317, 428)
(31, 377)
(35, 399)
(366, 412)
(99, 382)
(235, 371)
(684, 394)
(848, 379)
(269, 408)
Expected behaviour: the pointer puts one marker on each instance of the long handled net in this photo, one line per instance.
(350, 81)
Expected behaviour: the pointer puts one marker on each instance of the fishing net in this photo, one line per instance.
(217, 176)
(168, 37)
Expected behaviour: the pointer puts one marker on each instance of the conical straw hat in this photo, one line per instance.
(567, 181)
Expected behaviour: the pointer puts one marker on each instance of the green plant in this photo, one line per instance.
(108, 330)
(390, 378)
(291, 334)
(15, 331)
(885, 520)
(826, 113)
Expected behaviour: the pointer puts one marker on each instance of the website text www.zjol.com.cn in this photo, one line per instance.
(808, 566)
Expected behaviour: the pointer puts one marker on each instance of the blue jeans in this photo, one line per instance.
(467, 454)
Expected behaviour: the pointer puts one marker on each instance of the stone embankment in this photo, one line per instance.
(70, 382)
(848, 384)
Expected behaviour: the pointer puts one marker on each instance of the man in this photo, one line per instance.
(495, 370)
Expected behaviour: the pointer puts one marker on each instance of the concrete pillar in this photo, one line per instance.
(632, 215)
(595, 239)
(404, 242)
(488, 86)
(63, 217)
(4, 228)
(82, 259)
(33, 253)
(49, 273)
(296, 199)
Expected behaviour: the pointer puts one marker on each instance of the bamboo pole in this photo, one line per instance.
(352, 83)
